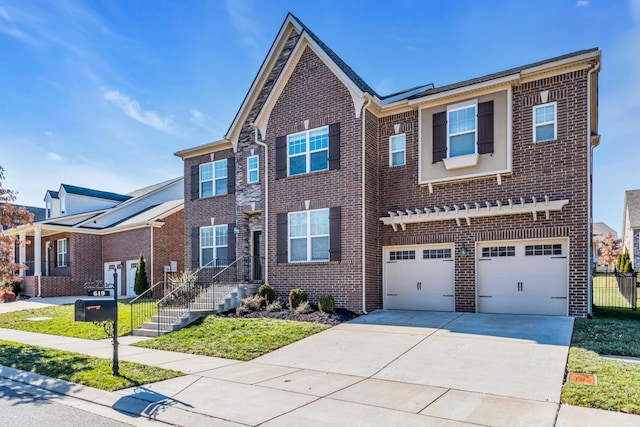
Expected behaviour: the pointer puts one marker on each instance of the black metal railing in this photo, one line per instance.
(245, 269)
(615, 290)
(194, 294)
(145, 305)
(51, 268)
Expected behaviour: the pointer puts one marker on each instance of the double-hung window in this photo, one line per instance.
(308, 151)
(253, 174)
(461, 129)
(397, 150)
(214, 246)
(213, 178)
(62, 253)
(309, 236)
(544, 122)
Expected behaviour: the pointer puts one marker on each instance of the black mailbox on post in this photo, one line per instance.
(95, 310)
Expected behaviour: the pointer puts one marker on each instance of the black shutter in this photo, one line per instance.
(281, 157)
(231, 175)
(439, 136)
(281, 240)
(231, 242)
(334, 146)
(195, 182)
(195, 247)
(485, 127)
(335, 234)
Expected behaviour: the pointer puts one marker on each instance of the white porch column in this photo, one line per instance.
(37, 252)
(22, 251)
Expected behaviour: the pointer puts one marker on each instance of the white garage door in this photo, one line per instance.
(524, 277)
(419, 277)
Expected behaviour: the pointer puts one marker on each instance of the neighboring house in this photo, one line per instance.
(600, 231)
(631, 226)
(87, 234)
(472, 197)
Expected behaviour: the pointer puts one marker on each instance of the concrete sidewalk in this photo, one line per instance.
(387, 368)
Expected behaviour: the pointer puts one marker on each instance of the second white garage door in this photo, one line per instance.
(523, 277)
(419, 277)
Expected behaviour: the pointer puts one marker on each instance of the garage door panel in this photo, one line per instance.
(523, 277)
(419, 278)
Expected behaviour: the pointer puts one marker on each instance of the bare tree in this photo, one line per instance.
(609, 252)
(10, 217)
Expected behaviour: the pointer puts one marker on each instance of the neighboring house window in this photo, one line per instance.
(252, 169)
(62, 253)
(63, 204)
(214, 245)
(397, 150)
(308, 151)
(464, 128)
(213, 178)
(461, 133)
(48, 209)
(544, 122)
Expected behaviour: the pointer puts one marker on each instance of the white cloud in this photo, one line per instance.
(241, 14)
(132, 108)
(201, 120)
(582, 3)
(54, 156)
(4, 14)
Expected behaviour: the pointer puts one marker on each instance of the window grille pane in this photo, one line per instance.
(206, 172)
(298, 224)
(397, 159)
(299, 249)
(206, 189)
(318, 139)
(462, 120)
(319, 161)
(221, 169)
(297, 165)
(462, 144)
(221, 186)
(320, 249)
(206, 256)
(221, 235)
(544, 133)
(297, 144)
(253, 176)
(319, 222)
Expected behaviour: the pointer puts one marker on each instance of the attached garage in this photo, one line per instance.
(523, 277)
(419, 277)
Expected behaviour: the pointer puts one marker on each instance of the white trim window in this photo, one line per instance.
(48, 209)
(545, 122)
(309, 236)
(462, 125)
(253, 174)
(62, 246)
(308, 151)
(397, 150)
(213, 178)
(214, 246)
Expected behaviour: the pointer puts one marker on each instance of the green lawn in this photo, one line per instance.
(234, 338)
(610, 332)
(61, 322)
(80, 369)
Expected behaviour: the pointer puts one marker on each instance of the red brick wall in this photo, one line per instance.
(168, 245)
(314, 93)
(555, 168)
(126, 246)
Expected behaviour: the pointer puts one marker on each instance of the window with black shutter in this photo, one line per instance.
(281, 157)
(334, 146)
(335, 233)
(231, 242)
(485, 127)
(439, 136)
(281, 237)
(231, 175)
(195, 182)
(195, 247)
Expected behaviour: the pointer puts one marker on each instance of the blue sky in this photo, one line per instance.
(102, 93)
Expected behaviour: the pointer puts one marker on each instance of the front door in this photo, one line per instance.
(109, 269)
(132, 266)
(256, 265)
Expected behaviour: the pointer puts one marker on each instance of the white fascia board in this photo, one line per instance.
(207, 148)
(357, 96)
(563, 62)
(461, 90)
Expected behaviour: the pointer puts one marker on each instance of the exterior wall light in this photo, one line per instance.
(463, 250)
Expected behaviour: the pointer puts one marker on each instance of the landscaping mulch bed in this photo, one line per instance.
(332, 319)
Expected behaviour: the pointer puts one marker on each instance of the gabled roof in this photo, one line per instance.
(632, 207)
(142, 191)
(88, 192)
(53, 194)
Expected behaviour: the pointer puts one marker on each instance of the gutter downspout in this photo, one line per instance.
(594, 68)
(266, 204)
(364, 271)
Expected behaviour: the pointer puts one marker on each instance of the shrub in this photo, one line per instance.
(274, 306)
(141, 282)
(296, 297)
(6, 295)
(267, 292)
(624, 263)
(253, 303)
(304, 308)
(327, 303)
(241, 310)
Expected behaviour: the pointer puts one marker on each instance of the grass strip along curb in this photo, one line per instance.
(77, 368)
(238, 339)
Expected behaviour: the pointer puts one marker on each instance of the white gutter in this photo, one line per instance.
(595, 68)
(266, 204)
(364, 272)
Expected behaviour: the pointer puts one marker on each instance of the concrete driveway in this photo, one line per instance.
(461, 367)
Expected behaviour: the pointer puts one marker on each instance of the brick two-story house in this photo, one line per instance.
(474, 196)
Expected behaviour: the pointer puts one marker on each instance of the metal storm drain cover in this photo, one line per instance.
(589, 379)
(38, 319)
